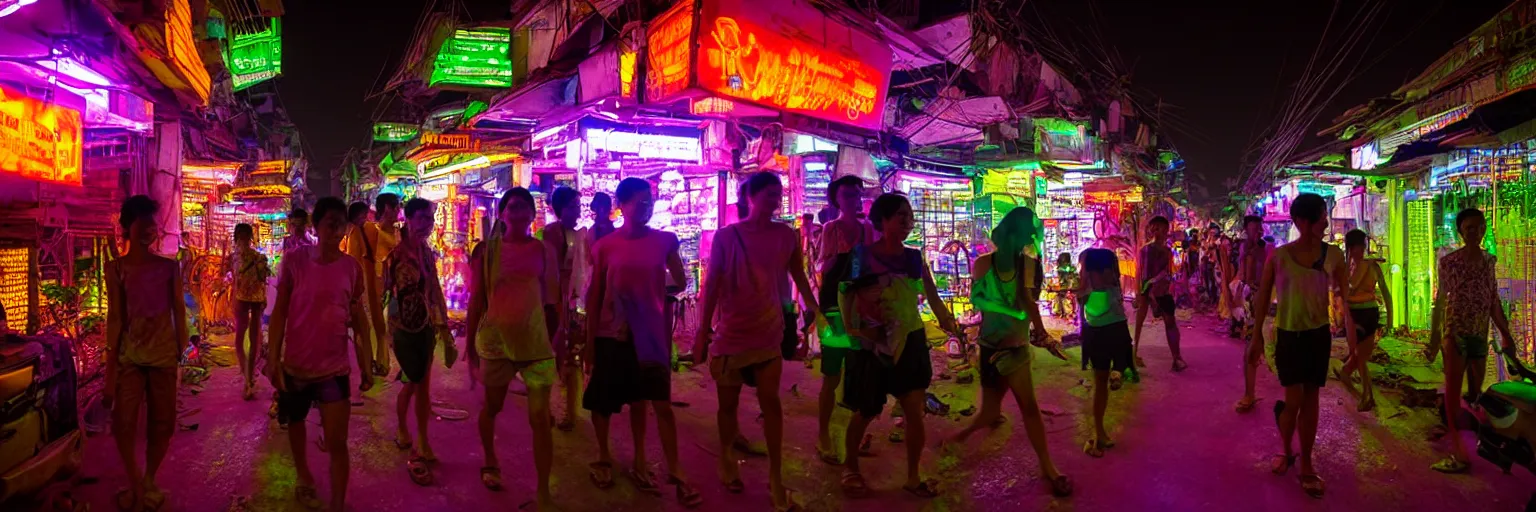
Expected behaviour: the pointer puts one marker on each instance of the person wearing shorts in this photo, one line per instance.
(838, 237)
(1006, 289)
(1155, 270)
(320, 295)
(147, 333)
(1466, 300)
(1365, 279)
(418, 318)
(250, 269)
(879, 286)
(566, 240)
(1106, 336)
(744, 285)
(1301, 274)
(630, 352)
(1252, 257)
(515, 304)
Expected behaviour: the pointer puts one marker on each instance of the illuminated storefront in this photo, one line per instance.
(474, 57)
(257, 57)
(39, 141)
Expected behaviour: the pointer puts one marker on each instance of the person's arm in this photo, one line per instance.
(1261, 300)
(675, 264)
(1341, 289)
(553, 301)
(1436, 316)
(371, 286)
(359, 319)
(477, 303)
(114, 342)
(179, 312)
(1500, 319)
(1386, 292)
(277, 326)
(714, 271)
(594, 306)
(936, 303)
(1031, 302)
(987, 303)
(802, 282)
(440, 320)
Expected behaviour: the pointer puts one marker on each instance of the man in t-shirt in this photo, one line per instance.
(1252, 252)
(839, 236)
(381, 235)
(563, 238)
(1155, 267)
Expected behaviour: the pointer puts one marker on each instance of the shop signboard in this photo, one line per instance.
(394, 132)
(171, 53)
(258, 57)
(1063, 141)
(474, 57)
(462, 141)
(39, 141)
(792, 58)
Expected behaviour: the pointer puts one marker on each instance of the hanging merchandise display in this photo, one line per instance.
(256, 58)
(474, 57)
(944, 227)
(39, 141)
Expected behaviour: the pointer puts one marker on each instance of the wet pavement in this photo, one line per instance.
(1179, 447)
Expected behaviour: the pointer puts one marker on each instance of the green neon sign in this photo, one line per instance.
(474, 57)
(256, 58)
(394, 132)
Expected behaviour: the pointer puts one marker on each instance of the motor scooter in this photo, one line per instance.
(1506, 421)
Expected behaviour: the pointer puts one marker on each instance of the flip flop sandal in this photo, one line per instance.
(1451, 465)
(420, 473)
(1313, 485)
(1061, 486)
(1116, 381)
(644, 481)
(853, 485)
(829, 458)
(606, 467)
(402, 445)
(490, 477)
(126, 494)
(927, 489)
(1281, 464)
(735, 486)
(1245, 405)
(308, 497)
(1094, 448)
(793, 506)
(1180, 365)
(898, 435)
(687, 496)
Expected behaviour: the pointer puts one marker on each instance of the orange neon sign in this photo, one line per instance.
(668, 52)
(39, 141)
(791, 69)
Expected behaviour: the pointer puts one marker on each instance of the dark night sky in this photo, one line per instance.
(1224, 67)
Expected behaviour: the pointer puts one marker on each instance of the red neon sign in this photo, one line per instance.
(668, 52)
(39, 141)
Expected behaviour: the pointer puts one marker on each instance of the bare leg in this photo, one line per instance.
(161, 425)
(666, 426)
(768, 399)
(298, 444)
(402, 407)
(242, 354)
(1307, 423)
(856, 427)
(1455, 367)
(125, 430)
(1021, 382)
(726, 420)
(1100, 403)
(495, 398)
(255, 347)
(1289, 417)
(826, 402)
(543, 442)
(637, 414)
(333, 419)
(570, 379)
(1362, 359)
(1171, 327)
(423, 413)
(1477, 369)
(991, 407)
(916, 436)
(1141, 321)
(1251, 354)
(600, 426)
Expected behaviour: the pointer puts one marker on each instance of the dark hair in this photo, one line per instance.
(826, 214)
(415, 205)
(298, 214)
(1309, 207)
(1354, 238)
(327, 206)
(386, 199)
(1020, 221)
(742, 207)
(762, 180)
(1100, 260)
(601, 197)
(518, 192)
(243, 230)
(134, 208)
(357, 208)
(1194, 232)
(561, 198)
(1469, 214)
(1158, 220)
(1252, 219)
(629, 188)
(845, 181)
(886, 206)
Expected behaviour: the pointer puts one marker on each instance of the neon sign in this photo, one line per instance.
(667, 52)
(648, 146)
(741, 60)
(182, 52)
(39, 141)
(258, 57)
(394, 132)
(454, 140)
(474, 57)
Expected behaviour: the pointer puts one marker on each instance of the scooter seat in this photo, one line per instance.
(1521, 395)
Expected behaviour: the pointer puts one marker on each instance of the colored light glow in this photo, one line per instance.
(428, 173)
(71, 68)
(183, 65)
(394, 132)
(667, 52)
(39, 141)
(271, 167)
(742, 60)
(628, 69)
(647, 146)
(261, 191)
(1365, 156)
(462, 141)
(254, 58)
(474, 57)
(1064, 143)
(11, 6)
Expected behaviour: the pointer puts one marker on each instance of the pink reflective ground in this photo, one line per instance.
(1180, 447)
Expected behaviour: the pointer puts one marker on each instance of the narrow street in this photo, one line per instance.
(1218, 461)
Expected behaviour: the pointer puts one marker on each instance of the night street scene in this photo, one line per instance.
(771, 255)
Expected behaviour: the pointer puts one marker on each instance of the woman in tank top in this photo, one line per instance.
(1365, 278)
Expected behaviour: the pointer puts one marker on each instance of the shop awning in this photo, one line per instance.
(1500, 122)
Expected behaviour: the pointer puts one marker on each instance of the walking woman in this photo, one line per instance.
(1106, 336)
(418, 317)
(1365, 278)
(1007, 291)
(747, 266)
(146, 333)
(879, 286)
(320, 294)
(513, 306)
(629, 353)
(250, 270)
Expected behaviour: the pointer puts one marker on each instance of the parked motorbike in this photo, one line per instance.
(1506, 421)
